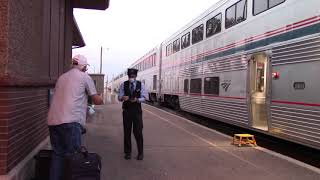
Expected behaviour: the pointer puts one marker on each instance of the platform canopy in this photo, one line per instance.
(85, 4)
(91, 4)
(78, 40)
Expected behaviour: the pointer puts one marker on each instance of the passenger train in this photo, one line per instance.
(250, 63)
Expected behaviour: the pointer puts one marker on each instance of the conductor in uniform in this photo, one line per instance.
(132, 94)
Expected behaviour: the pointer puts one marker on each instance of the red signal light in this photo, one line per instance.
(275, 75)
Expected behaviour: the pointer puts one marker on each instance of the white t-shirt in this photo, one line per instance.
(70, 98)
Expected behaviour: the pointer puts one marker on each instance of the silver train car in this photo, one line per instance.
(116, 81)
(250, 63)
(148, 67)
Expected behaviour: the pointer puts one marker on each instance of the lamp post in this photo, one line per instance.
(101, 60)
(101, 49)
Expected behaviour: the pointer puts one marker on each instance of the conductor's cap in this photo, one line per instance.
(132, 71)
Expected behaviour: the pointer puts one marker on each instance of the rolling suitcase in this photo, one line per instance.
(83, 166)
(42, 169)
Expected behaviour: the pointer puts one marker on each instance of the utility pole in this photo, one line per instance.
(101, 60)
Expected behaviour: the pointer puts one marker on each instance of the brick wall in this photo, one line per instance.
(23, 113)
(3, 61)
(3, 35)
(35, 48)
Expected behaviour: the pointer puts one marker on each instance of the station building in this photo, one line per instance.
(36, 41)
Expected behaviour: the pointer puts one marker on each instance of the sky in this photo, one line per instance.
(128, 29)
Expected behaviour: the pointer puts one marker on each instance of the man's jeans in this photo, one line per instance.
(65, 140)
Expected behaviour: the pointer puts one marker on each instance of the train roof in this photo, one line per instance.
(145, 55)
(197, 19)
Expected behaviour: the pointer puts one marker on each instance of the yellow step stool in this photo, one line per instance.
(239, 139)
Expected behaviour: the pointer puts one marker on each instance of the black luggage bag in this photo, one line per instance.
(43, 160)
(83, 166)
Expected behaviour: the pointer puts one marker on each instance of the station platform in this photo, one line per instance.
(177, 149)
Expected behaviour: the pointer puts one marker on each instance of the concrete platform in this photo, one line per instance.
(177, 149)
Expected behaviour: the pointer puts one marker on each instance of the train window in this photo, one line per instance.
(299, 85)
(154, 82)
(186, 85)
(230, 16)
(236, 13)
(195, 86)
(241, 12)
(273, 3)
(211, 85)
(197, 34)
(176, 46)
(169, 50)
(185, 40)
(213, 25)
(152, 60)
(260, 6)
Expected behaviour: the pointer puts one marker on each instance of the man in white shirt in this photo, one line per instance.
(67, 111)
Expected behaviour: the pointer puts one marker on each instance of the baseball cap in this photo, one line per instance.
(80, 59)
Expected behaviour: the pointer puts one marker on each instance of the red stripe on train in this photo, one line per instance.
(230, 97)
(296, 103)
(209, 95)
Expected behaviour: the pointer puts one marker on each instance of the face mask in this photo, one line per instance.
(84, 69)
(131, 79)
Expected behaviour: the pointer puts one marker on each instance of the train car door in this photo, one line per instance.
(258, 67)
(154, 83)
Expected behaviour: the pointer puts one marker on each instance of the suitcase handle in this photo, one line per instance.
(84, 151)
